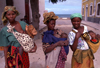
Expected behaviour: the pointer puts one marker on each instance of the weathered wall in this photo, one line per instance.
(20, 6)
(2, 5)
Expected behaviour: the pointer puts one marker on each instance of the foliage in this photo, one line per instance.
(55, 1)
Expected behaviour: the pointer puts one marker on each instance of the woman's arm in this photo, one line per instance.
(33, 49)
(51, 47)
(5, 53)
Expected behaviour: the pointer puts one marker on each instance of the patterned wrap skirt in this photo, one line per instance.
(15, 60)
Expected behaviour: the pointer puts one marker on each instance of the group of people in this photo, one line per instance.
(17, 35)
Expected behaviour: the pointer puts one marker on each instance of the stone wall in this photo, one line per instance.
(20, 6)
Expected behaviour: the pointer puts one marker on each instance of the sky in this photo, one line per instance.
(66, 7)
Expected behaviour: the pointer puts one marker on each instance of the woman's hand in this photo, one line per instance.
(66, 42)
(61, 43)
(33, 49)
(78, 34)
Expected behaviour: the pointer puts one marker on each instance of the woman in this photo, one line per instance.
(54, 47)
(13, 59)
(82, 54)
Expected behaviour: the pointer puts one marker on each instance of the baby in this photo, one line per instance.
(93, 36)
(30, 30)
(64, 35)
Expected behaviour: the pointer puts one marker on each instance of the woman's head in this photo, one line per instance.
(9, 13)
(76, 19)
(51, 24)
(50, 20)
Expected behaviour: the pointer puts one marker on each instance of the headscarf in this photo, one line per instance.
(76, 15)
(8, 8)
(49, 16)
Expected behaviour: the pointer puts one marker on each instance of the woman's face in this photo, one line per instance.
(76, 22)
(51, 25)
(11, 15)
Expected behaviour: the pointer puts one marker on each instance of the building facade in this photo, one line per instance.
(24, 8)
(91, 10)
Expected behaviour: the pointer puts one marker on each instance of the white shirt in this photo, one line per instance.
(81, 43)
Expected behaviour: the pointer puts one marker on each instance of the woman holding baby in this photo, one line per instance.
(15, 56)
(55, 43)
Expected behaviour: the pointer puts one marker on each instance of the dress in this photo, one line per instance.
(82, 57)
(14, 59)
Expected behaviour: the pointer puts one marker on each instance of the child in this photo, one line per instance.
(81, 51)
(30, 30)
(64, 35)
(93, 36)
(94, 42)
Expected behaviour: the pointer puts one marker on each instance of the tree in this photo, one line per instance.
(9, 2)
(35, 13)
(55, 1)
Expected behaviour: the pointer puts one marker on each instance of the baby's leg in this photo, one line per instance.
(20, 50)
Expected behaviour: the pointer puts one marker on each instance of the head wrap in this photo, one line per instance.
(49, 16)
(76, 15)
(8, 8)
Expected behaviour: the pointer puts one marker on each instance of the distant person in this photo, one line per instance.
(53, 44)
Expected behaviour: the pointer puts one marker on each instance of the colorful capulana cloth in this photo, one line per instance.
(49, 16)
(57, 57)
(76, 15)
(8, 8)
(15, 60)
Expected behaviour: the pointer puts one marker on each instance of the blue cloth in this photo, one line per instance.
(49, 38)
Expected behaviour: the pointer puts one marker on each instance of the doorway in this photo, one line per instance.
(86, 14)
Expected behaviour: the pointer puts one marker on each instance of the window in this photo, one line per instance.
(91, 8)
(83, 11)
(98, 9)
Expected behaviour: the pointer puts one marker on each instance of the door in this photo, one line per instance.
(86, 13)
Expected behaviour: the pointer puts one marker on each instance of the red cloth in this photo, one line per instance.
(15, 60)
(94, 40)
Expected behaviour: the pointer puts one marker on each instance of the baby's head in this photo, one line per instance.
(92, 34)
(64, 35)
